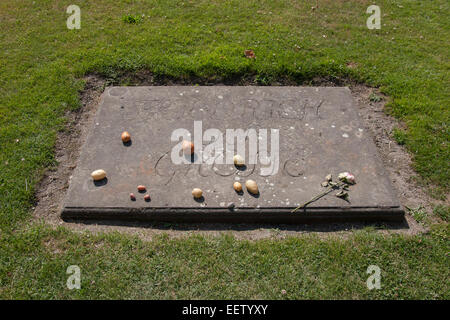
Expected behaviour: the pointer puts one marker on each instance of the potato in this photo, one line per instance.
(188, 147)
(126, 137)
(98, 174)
(197, 193)
(238, 160)
(237, 186)
(251, 186)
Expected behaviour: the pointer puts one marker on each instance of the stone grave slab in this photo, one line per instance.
(319, 132)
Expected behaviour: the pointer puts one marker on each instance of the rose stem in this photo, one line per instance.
(331, 188)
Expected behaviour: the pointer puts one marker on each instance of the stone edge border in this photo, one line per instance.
(237, 215)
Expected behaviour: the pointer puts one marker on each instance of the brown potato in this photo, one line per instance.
(126, 136)
(188, 147)
(237, 186)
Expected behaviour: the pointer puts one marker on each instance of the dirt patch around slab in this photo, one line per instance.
(371, 102)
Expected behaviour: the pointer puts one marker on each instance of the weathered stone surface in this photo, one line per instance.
(319, 131)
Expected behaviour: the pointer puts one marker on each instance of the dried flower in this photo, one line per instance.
(347, 177)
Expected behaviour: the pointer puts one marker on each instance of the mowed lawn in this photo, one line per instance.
(42, 65)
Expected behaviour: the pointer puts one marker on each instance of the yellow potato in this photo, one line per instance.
(238, 160)
(251, 186)
(197, 193)
(98, 174)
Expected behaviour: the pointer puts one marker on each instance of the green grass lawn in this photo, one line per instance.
(42, 65)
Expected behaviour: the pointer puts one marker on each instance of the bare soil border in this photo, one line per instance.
(53, 186)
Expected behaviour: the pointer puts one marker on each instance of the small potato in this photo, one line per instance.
(126, 137)
(99, 174)
(141, 188)
(237, 186)
(197, 193)
(238, 160)
(252, 187)
(188, 147)
(147, 197)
